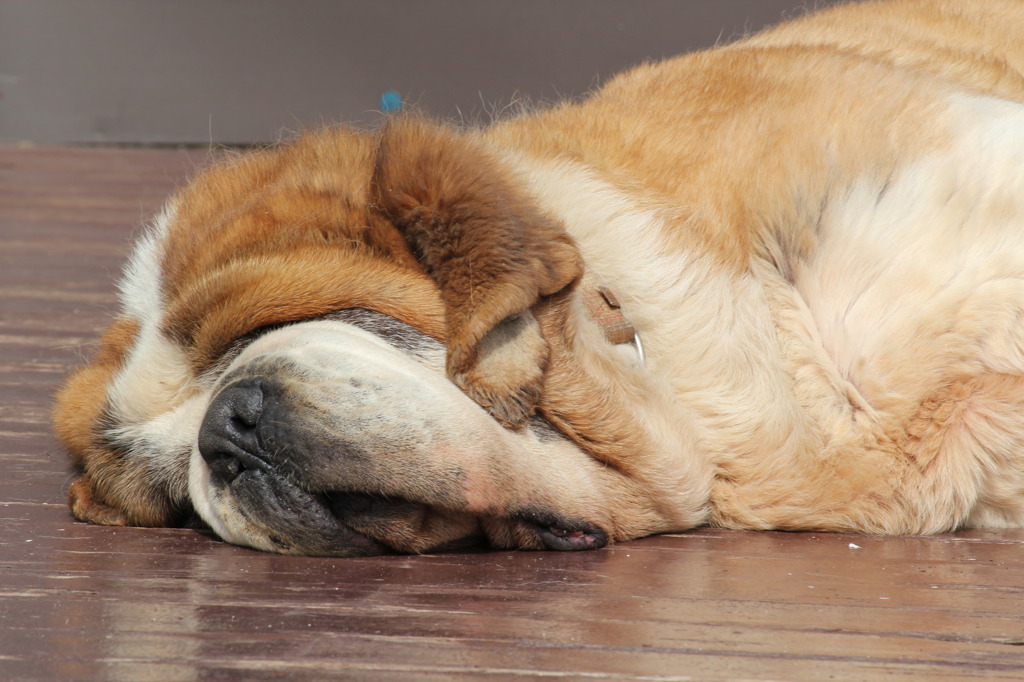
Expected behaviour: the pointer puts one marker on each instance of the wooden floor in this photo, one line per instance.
(82, 602)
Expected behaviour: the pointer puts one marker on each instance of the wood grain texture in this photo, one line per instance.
(83, 602)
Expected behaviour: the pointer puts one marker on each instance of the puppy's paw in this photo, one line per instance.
(507, 374)
(85, 506)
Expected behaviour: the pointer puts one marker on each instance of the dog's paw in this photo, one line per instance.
(507, 374)
(85, 506)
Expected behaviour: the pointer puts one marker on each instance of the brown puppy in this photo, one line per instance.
(402, 340)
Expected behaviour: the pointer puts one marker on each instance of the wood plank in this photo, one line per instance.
(83, 602)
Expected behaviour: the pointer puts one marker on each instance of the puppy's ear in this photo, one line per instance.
(492, 253)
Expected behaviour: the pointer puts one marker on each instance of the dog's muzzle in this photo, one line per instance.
(238, 440)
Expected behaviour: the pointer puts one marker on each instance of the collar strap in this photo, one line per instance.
(604, 309)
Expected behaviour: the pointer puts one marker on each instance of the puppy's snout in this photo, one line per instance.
(229, 436)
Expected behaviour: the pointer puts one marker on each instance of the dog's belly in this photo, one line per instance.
(916, 292)
(924, 270)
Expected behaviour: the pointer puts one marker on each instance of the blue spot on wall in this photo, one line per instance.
(390, 102)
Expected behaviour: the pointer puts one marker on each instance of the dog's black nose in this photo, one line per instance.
(228, 437)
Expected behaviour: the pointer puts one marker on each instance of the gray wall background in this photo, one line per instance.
(242, 71)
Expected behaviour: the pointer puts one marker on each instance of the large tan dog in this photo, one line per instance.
(423, 337)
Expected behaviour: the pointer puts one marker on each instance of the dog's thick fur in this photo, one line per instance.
(368, 342)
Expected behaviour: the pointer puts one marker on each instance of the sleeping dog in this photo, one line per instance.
(774, 285)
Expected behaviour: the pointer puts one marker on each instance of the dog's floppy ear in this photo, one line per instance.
(110, 489)
(492, 252)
